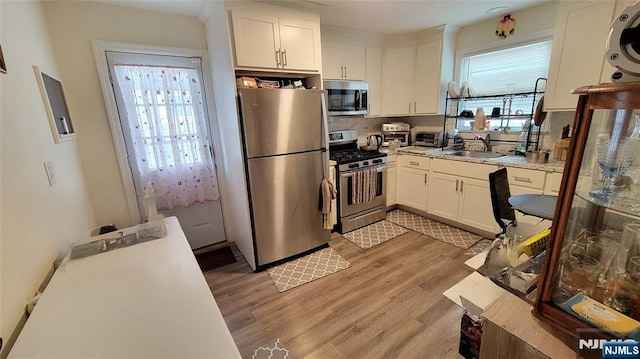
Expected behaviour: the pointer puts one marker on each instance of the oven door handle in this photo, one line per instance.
(350, 173)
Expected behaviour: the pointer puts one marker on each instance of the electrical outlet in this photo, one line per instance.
(51, 176)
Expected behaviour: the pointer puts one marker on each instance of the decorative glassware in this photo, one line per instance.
(614, 158)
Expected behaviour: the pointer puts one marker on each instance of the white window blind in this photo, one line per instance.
(511, 70)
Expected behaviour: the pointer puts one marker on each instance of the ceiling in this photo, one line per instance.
(386, 17)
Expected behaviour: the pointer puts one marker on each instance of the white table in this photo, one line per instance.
(147, 300)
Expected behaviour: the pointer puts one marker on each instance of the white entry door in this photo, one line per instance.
(163, 114)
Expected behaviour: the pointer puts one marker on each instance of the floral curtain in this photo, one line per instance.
(167, 123)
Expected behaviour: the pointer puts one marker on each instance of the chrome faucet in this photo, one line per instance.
(485, 141)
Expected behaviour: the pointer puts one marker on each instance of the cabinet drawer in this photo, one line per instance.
(526, 178)
(417, 162)
(463, 169)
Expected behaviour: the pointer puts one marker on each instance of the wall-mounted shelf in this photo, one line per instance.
(517, 108)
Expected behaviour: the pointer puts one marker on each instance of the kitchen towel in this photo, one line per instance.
(328, 195)
(364, 185)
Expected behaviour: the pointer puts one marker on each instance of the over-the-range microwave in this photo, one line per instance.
(346, 98)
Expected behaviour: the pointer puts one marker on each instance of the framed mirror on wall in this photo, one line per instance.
(55, 105)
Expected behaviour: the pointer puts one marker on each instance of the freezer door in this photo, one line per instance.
(276, 122)
(285, 204)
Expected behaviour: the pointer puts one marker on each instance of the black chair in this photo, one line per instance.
(502, 211)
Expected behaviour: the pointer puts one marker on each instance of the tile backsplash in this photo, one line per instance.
(552, 130)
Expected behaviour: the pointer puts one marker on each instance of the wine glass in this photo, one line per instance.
(614, 159)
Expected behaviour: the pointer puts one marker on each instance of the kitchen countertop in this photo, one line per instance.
(148, 300)
(507, 161)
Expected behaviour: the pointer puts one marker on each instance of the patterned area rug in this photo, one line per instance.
(273, 350)
(306, 269)
(478, 247)
(374, 234)
(454, 236)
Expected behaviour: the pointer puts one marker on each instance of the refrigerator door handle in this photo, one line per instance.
(325, 137)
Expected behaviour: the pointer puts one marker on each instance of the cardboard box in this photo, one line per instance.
(246, 82)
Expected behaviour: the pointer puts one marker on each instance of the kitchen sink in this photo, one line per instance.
(475, 154)
(106, 245)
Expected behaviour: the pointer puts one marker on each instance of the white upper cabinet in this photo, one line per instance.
(374, 79)
(415, 75)
(343, 62)
(272, 42)
(427, 86)
(574, 62)
(398, 80)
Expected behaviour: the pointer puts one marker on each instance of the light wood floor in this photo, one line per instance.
(388, 304)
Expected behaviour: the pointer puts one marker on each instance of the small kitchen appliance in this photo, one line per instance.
(430, 139)
(373, 143)
(347, 98)
(396, 131)
(362, 176)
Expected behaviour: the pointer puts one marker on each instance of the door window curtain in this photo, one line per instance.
(166, 123)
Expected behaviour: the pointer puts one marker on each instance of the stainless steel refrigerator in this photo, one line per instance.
(284, 133)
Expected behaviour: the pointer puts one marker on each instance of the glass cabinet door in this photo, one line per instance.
(597, 275)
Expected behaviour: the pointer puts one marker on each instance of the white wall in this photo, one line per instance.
(38, 221)
(235, 205)
(528, 22)
(72, 26)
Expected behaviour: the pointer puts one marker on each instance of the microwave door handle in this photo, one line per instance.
(358, 102)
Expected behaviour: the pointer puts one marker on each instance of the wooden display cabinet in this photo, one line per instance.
(598, 202)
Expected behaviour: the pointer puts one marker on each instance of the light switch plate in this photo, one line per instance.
(51, 176)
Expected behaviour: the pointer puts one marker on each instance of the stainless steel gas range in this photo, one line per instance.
(362, 176)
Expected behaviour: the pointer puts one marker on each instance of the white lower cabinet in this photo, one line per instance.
(413, 178)
(459, 191)
(526, 181)
(552, 184)
(392, 180)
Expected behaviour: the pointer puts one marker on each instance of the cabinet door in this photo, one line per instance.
(426, 93)
(398, 80)
(374, 79)
(552, 184)
(343, 62)
(574, 63)
(442, 198)
(413, 191)
(300, 44)
(392, 181)
(256, 38)
(332, 66)
(475, 205)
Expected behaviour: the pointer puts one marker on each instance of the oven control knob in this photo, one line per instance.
(365, 163)
(354, 165)
(377, 161)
